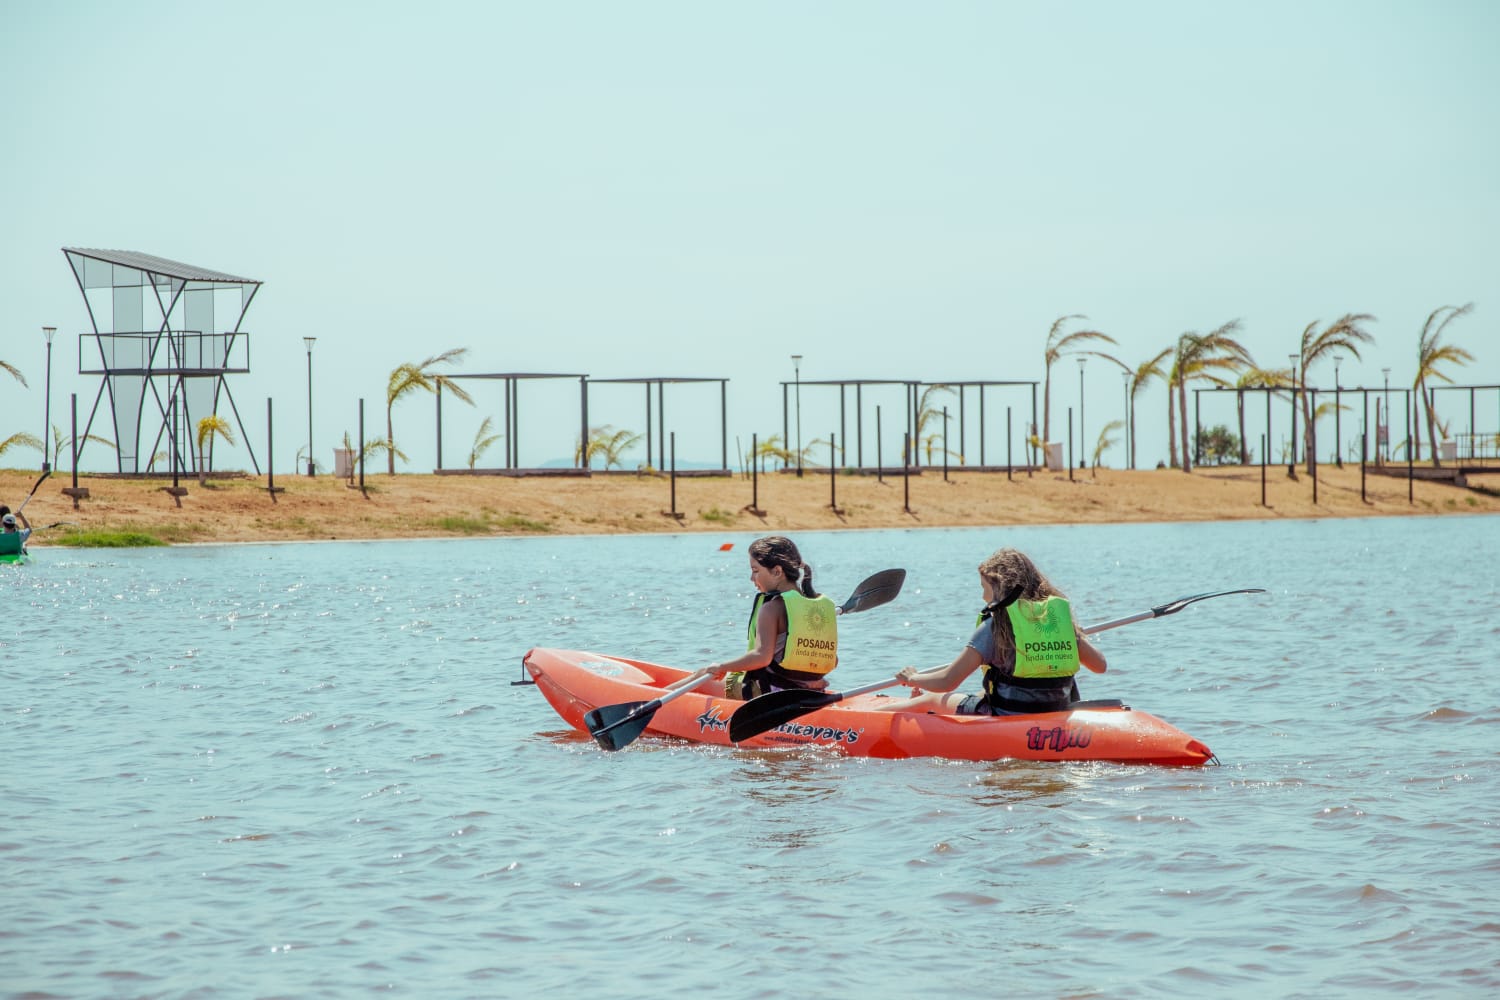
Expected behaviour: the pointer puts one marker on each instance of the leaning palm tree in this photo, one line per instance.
(1059, 344)
(1105, 441)
(772, 448)
(1346, 333)
(1257, 378)
(1139, 377)
(927, 413)
(1431, 354)
(59, 442)
(483, 440)
(405, 378)
(1202, 356)
(208, 428)
(22, 440)
(605, 442)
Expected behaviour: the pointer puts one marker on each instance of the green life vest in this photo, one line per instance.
(812, 632)
(1046, 642)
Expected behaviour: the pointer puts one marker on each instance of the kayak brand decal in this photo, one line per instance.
(805, 732)
(710, 720)
(1058, 738)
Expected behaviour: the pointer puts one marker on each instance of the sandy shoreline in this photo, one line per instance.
(418, 506)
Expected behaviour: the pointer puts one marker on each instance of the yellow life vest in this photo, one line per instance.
(1046, 642)
(812, 632)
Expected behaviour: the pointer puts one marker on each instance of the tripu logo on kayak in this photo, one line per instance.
(1058, 738)
(710, 721)
(604, 668)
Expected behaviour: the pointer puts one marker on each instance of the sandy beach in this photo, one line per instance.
(241, 509)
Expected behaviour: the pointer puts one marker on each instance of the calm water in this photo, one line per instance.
(302, 770)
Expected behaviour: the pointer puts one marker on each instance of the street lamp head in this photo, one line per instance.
(1082, 360)
(309, 341)
(49, 332)
(796, 361)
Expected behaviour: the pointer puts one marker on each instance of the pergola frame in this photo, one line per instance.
(913, 394)
(661, 413)
(191, 362)
(512, 382)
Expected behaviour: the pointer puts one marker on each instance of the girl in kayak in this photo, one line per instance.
(793, 632)
(1026, 643)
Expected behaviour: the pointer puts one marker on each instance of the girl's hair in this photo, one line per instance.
(1007, 569)
(777, 550)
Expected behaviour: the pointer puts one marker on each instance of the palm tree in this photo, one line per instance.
(1200, 357)
(22, 440)
(1257, 378)
(607, 442)
(772, 448)
(208, 428)
(59, 442)
(1059, 344)
(1139, 377)
(15, 372)
(926, 413)
(483, 439)
(1430, 354)
(1344, 334)
(1106, 442)
(404, 378)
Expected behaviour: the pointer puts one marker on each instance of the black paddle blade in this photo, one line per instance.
(879, 589)
(1175, 606)
(771, 710)
(615, 727)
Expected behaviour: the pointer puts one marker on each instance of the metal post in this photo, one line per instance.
(270, 452)
(1292, 463)
(1387, 373)
(438, 402)
(1082, 360)
(797, 371)
(879, 469)
(1009, 469)
(1312, 445)
(310, 466)
(833, 473)
(49, 332)
(754, 472)
(1070, 444)
(1411, 492)
(1263, 471)
(73, 433)
(362, 445)
(1129, 443)
(1338, 430)
(945, 444)
(906, 475)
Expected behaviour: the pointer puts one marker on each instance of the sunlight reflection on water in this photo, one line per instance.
(304, 770)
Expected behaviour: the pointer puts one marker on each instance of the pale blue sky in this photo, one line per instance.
(911, 190)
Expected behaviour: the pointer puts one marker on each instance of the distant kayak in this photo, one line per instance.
(575, 682)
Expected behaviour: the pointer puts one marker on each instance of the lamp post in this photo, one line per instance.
(1129, 443)
(1338, 434)
(1387, 373)
(48, 332)
(1294, 358)
(1082, 459)
(797, 372)
(309, 341)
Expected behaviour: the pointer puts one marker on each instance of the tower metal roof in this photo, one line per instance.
(159, 265)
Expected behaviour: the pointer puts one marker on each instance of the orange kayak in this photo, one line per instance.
(575, 682)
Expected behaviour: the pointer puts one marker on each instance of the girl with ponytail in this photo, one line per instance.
(792, 639)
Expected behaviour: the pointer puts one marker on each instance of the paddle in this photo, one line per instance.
(771, 710)
(615, 727)
(34, 485)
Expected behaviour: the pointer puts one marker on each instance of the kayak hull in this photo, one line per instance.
(575, 682)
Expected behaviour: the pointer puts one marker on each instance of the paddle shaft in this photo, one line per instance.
(872, 592)
(818, 699)
(33, 491)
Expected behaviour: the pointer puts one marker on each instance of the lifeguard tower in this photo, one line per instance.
(165, 336)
